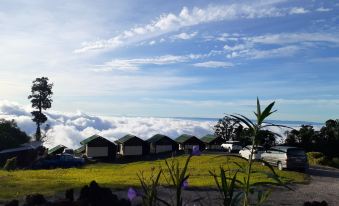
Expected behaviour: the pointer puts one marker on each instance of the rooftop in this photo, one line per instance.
(183, 138)
(126, 138)
(208, 138)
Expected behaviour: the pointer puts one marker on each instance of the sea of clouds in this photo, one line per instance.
(71, 128)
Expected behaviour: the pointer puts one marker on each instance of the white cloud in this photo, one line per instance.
(214, 64)
(298, 10)
(184, 35)
(279, 52)
(290, 43)
(152, 42)
(69, 129)
(290, 38)
(171, 22)
(135, 64)
(322, 9)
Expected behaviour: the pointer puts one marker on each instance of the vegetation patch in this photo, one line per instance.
(318, 158)
(19, 183)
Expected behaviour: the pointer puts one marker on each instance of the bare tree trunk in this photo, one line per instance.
(38, 132)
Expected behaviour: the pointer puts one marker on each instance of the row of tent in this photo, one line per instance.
(130, 145)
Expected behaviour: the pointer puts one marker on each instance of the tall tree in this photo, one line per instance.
(228, 128)
(41, 99)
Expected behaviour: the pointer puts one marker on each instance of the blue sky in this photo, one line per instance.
(174, 58)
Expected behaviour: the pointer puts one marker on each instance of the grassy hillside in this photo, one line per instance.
(22, 182)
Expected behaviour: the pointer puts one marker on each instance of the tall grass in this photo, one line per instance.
(19, 183)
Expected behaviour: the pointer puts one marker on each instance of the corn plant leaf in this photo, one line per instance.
(267, 112)
(244, 120)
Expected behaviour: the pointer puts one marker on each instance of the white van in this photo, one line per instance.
(232, 146)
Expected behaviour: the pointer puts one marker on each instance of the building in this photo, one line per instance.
(26, 154)
(212, 142)
(186, 142)
(99, 148)
(161, 143)
(57, 149)
(131, 145)
(80, 151)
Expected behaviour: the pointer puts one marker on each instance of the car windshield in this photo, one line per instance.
(296, 152)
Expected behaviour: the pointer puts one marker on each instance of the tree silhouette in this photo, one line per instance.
(228, 128)
(41, 99)
(10, 135)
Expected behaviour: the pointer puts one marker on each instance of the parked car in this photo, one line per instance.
(246, 152)
(61, 160)
(232, 146)
(286, 157)
(68, 151)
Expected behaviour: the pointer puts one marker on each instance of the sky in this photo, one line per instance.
(174, 58)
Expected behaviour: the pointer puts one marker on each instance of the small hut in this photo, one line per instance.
(212, 142)
(161, 143)
(80, 151)
(99, 148)
(131, 145)
(186, 142)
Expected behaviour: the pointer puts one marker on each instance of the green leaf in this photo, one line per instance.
(244, 120)
(258, 114)
(266, 113)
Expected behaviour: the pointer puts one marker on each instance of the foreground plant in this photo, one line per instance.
(255, 128)
(229, 183)
(149, 186)
(178, 178)
(227, 187)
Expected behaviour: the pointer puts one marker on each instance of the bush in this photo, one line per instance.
(10, 164)
(335, 162)
(316, 158)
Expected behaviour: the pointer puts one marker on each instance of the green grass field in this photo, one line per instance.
(17, 184)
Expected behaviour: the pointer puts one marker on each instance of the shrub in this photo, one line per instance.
(316, 158)
(10, 164)
(335, 162)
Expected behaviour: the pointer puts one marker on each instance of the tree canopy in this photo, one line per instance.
(326, 140)
(41, 99)
(10, 135)
(228, 128)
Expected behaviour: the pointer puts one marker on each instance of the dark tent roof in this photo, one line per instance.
(60, 146)
(208, 138)
(80, 149)
(183, 138)
(126, 138)
(91, 138)
(158, 137)
(26, 146)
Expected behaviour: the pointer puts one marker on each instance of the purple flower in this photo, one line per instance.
(185, 184)
(196, 151)
(131, 194)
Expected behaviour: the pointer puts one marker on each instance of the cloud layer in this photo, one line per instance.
(70, 129)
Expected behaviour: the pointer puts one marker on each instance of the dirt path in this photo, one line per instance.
(324, 185)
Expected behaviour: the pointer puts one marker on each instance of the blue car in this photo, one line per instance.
(60, 161)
